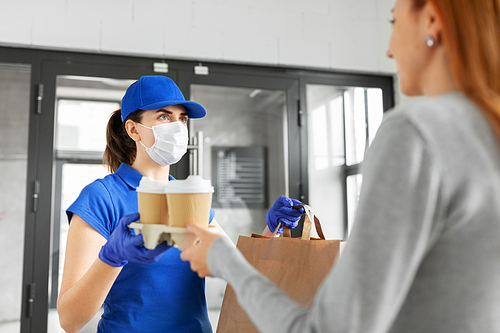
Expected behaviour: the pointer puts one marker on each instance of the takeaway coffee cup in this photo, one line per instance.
(189, 200)
(152, 201)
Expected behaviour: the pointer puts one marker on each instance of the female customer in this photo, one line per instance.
(424, 252)
(142, 290)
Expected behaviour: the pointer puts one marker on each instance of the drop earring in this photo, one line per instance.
(429, 41)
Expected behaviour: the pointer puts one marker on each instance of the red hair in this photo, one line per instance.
(471, 37)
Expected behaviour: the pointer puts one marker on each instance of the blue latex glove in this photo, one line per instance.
(122, 246)
(282, 211)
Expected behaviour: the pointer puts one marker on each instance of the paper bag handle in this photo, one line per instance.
(286, 231)
(306, 230)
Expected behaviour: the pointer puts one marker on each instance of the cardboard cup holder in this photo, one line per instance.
(154, 234)
(190, 201)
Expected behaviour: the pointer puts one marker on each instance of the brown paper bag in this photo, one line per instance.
(296, 265)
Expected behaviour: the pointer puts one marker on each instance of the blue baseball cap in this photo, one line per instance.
(154, 92)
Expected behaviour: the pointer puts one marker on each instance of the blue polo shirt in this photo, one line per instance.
(165, 296)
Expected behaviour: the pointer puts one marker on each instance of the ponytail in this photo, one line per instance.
(120, 148)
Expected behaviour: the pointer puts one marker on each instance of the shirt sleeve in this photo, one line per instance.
(394, 227)
(94, 205)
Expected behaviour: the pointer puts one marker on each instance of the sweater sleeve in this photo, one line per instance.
(394, 228)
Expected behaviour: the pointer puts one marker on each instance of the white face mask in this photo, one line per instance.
(171, 141)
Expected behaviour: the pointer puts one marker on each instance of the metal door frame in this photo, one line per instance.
(46, 166)
(40, 185)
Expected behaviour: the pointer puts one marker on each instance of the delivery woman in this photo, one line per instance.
(142, 290)
(423, 255)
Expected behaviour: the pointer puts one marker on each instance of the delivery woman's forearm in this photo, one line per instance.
(86, 279)
(79, 303)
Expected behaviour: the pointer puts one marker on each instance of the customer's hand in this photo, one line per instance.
(197, 252)
(122, 246)
(282, 212)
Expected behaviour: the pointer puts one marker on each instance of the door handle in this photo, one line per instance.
(196, 155)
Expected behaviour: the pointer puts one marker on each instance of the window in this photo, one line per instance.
(342, 123)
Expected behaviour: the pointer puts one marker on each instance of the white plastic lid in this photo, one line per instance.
(149, 185)
(192, 184)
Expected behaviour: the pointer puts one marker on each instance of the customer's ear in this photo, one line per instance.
(432, 22)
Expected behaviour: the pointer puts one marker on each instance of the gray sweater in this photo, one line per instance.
(424, 253)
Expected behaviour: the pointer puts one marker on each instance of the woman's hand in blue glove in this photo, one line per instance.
(122, 246)
(282, 212)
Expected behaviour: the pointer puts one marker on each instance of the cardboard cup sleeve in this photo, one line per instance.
(189, 207)
(153, 208)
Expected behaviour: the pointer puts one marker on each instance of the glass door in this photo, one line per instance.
(78, 99)
(243, 146)
(83, 107)
(14, 112)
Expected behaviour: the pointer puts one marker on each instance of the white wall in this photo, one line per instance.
(347, 35)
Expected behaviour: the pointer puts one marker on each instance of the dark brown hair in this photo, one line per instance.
(120, 148)
(471, 37)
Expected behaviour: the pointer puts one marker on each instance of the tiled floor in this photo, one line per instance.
(91, 327)
(214, 292)
(10, 327)
(53, 323)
